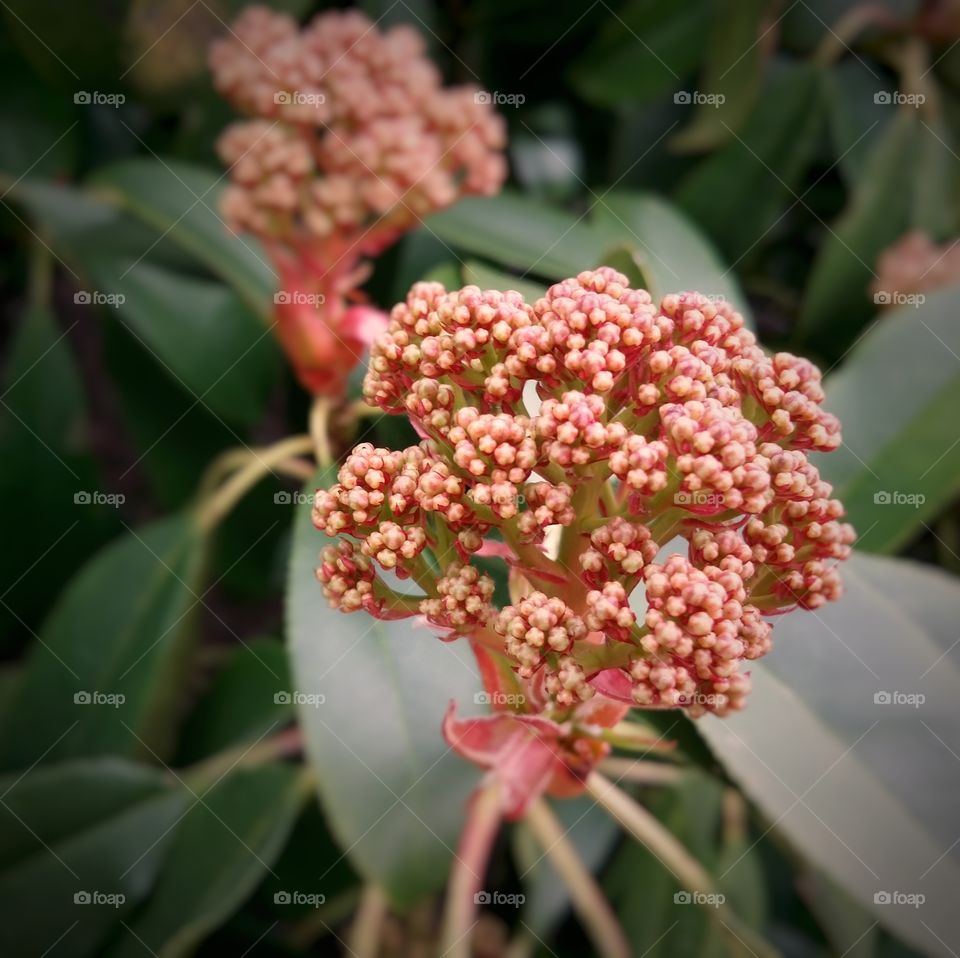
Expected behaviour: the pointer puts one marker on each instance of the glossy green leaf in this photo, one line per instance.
(521, 233)
(907, 183)
(855, 705)
(645, 50)
(181, 198)
(87, 829)
(102, 676)
(221, 850)
(372, 696)
(733, 65)
(248, 696)
(672, 252)
(897, 396)
(231, 362)
(740, 194)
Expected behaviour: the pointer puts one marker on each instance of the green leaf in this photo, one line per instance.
(393, 792)
(856, 120)
(742, 192)
(220, 852)
(672, 252)
(834, 742)
(183, 199)
(907, 183)
(521, 233)
(899, 464)
(98, 827)
(643, 52)
(245, 700)
(200, 332)
(591, 831)
(732, 70)
(103, 675)
(43, 431)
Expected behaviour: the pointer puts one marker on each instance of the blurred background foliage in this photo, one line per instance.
(781, 198)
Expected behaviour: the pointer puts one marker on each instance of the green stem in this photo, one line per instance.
(589, 902)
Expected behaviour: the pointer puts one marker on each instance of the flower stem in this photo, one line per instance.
(640, 772)
(589, 902)
(320, 429)
(368, 925)
(218, 504)
(688, 872)
(469, 867)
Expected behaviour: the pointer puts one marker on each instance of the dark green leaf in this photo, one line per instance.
(742, 192)
(183, 199)
(247, 697)
(88, 829)
(897, 397)
(221, 850)
(644, 51)
(103, 675)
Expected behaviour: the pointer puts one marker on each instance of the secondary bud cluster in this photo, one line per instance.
(353, 139)
(651, 422)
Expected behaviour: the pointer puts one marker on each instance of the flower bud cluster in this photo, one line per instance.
(352, 141)
(651, 422)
